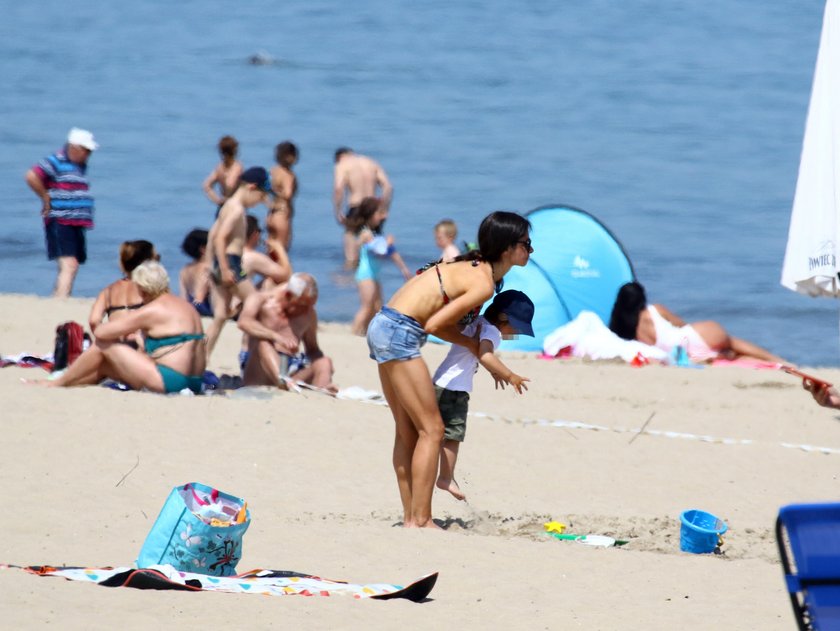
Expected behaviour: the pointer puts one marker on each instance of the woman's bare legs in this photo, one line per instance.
(84, 371)
(279, 227)
(405, 438)
(743, 347)
(115, 361)
(719, 340)
(408, 388)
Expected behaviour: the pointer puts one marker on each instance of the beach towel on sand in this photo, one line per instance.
(266, 582)
(589, 337)
(25, 360)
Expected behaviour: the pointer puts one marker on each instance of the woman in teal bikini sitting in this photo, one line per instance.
(122, 296)
(174, 341)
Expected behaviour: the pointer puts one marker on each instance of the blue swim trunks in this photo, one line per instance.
(235, 265)
(392, 335)
(204, 308)
(292, 363)
(63, 240)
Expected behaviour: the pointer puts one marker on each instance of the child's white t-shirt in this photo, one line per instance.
(458, 367)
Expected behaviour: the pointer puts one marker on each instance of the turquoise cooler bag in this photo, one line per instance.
(184, 537)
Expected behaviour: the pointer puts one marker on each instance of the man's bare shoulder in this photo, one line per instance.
(343, 165)
(367, 162)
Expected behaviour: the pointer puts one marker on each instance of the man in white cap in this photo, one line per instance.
(278, 321)
(60, 181)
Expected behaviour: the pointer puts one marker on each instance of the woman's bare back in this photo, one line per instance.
(645, 329)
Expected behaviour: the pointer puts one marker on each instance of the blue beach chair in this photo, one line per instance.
(813, 532)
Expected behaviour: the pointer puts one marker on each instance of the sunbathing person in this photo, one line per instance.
(174, 342)
(633, 319)
(277, 320)
(122, 296)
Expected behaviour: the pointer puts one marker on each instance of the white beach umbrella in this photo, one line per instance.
(813, 245)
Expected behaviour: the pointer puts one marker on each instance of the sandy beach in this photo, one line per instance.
(317, 474)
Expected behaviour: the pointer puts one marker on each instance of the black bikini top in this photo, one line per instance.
(110, 310)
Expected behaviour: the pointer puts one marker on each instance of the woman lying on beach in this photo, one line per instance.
(174, 341)
(633, 319)
(122, 296)
(435, 301)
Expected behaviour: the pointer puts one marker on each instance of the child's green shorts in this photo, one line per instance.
(453, 407)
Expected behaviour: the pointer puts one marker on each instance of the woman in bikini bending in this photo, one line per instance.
(435, 301)
(122, 296)
(175, 354)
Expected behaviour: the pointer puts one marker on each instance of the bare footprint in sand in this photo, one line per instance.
(452, 487)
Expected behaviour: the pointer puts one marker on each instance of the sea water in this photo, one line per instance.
(678, 125)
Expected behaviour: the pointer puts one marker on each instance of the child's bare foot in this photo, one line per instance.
(452, 487)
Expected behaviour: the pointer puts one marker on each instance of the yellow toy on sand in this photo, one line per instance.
(554, 526)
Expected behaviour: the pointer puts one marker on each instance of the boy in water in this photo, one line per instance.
(508, 315)
(445, 234)
(225, 245)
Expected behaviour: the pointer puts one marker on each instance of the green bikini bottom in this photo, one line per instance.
(173, 381)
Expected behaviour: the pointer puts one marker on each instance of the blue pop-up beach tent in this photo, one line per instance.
(577, 265)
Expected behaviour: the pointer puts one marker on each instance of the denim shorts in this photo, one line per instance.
(394, 336)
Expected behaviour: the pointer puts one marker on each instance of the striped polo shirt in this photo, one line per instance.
(70, 200)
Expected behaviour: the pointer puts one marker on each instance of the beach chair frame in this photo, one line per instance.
(813, 536)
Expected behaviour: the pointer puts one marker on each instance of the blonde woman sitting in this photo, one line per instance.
(174, 342)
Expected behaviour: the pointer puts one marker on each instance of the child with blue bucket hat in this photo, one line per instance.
(510, 314)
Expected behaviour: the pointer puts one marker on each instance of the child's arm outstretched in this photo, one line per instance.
(386, 248)
(501, 373)
(398, 260)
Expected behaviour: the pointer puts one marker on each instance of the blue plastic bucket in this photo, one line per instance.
(699, 531)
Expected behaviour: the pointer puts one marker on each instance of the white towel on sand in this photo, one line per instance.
(589, 337)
